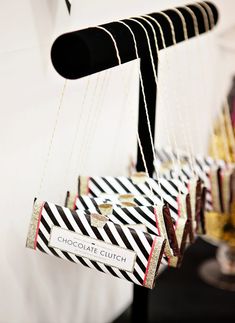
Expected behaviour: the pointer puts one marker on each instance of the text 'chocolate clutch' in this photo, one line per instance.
(95, 242)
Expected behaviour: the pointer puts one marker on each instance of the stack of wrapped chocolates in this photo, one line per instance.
(128, 226)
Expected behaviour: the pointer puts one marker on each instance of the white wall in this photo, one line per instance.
(36, 288)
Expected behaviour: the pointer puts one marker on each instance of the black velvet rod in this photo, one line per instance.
(84, 52)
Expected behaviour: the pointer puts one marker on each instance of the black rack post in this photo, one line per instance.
(88, 51)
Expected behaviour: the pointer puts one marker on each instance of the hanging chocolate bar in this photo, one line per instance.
(139, 185)
(130, 210)
(95, 242)
(206, 168)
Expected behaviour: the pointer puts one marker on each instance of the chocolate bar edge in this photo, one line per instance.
(155, 262)
(176, 261)
(33, 225)
(190, 220)
(70, 200)
(170, 230)
(83, 185)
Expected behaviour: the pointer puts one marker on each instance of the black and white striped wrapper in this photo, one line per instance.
(167, 192)
(209, 170)
(179, 205)
(101, 245)
(216, 179)
(155, 218)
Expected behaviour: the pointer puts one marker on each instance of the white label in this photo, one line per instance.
(92, 249)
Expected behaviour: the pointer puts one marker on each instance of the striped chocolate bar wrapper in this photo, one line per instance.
(96, 186)
(95, 242)
(207, 169)
(155, 218)
(202, 166)
(138, 186)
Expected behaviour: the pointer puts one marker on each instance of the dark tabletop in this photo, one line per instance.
(181, 296)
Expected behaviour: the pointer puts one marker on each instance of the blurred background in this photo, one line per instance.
(194, 78)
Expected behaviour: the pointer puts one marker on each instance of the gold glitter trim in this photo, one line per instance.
(173, 261)
(182, 205)
(215, 189)
(232, 218)
(226, 190)
(182, 232)
(33, 225)
(179, 231)
(71, 201)
(215, 223)
(154, 262)
(83, 185)
(162, 228)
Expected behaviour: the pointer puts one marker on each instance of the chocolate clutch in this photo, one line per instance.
(95, 242)
(126, 209)
(142, 186)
